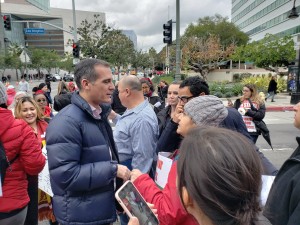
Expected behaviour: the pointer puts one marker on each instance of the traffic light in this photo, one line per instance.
(76, 50)
(7, 22)
(168, 32)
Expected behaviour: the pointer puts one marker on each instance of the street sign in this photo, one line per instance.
(34, 31)
(76, 61)
(24, 57)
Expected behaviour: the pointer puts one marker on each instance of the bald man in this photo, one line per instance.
(136, 131)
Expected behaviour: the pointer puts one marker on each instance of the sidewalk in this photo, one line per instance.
(281, 104)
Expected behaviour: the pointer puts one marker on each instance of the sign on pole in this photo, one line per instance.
(35, 31)
(24, 57)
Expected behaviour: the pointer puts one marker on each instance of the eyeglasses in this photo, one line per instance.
(185, 99)
(41, 100)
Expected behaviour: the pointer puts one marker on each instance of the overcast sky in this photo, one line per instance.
(146, 17)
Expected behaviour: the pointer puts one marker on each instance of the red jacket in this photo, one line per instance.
(18, 138)
(166, 201)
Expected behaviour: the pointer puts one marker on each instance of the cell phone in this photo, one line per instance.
(134, 204)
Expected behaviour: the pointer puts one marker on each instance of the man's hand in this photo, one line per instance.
(135, 173)
(178, 113)
(123, 172)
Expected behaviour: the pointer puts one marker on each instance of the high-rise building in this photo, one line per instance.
(132, 36)
(259, 17)
(53, 23)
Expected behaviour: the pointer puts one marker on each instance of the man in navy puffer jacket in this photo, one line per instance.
(83, 160)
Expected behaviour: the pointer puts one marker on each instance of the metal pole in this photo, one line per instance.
(178, 60)
(74, 22)
(25, 62)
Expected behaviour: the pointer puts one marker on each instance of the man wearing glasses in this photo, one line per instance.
(189, 88)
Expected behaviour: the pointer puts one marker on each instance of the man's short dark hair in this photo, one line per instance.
(196, 85)
(85, 69)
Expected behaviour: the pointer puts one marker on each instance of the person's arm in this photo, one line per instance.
(237, 104)
(169, 139)
(64, 148)
(31, 154)
(144, 138)
(257, 114)
(166, 201)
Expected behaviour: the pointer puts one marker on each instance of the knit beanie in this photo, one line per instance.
(206, 110)
(3, 95)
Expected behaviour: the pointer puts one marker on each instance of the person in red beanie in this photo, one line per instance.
(11, 93)
(42, 102)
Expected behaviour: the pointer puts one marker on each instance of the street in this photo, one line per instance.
(283, 134)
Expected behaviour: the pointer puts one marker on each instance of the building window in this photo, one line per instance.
(276, 20)
(247, 10)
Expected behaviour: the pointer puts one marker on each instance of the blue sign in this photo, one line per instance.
(34, 31)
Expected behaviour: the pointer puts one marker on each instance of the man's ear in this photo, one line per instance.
(85, 84)
(202, 93)
(128, 91)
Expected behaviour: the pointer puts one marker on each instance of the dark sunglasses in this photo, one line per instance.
(41, 100)
(185, 99)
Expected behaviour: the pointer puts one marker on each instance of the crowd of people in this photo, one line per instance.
(216, 172)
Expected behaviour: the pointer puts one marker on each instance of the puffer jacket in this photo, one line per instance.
(283, 204)
(166, 201)
(82, 167)
(18, 138)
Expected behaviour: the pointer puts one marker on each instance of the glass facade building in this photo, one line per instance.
(259, 17)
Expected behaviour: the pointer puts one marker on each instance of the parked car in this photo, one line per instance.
(56, 77)
(68, 77)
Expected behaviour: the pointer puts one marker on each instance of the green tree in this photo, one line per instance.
(270, 51)
(12, 59)
(92, 37)
(67, 63)
(118, 49)
(140, 60)
(44, 59)
(219, 26)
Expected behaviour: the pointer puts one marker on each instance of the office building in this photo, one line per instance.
(132, 36)
(35, 24)
(259, 17)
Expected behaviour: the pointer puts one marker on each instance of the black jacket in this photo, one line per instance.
(256, 114)
(163, 117)
(62, 100)
(272, 86)
(116, 104)
(283, 204)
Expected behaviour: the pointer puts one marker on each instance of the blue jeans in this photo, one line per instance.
(271, 94)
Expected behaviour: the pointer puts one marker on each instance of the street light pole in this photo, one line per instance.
(178, 53)
(295, 97)
(74, 22)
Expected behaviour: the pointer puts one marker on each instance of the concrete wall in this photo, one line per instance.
(227, 74)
